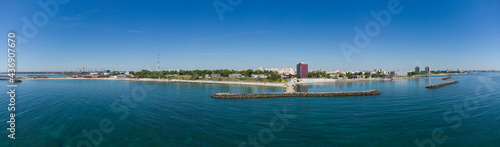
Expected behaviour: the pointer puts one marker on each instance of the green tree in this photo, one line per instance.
(194, 77)
(349, 75)
(114, 74)
(367, 74)
(274, 77)
(225, 73)
(248, 72)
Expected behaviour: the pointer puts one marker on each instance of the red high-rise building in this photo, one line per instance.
(302, 70)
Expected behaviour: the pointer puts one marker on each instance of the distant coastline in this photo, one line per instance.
(272, 84)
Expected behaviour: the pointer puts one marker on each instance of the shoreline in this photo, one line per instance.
(173, 80)
(360, 80)
(272, 84)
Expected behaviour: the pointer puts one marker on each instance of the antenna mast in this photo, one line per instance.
(158, 65)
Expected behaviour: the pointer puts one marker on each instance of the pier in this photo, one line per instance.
(290, 87)
(446, 78)
(15, 80)
(296, 94)
(441, 84)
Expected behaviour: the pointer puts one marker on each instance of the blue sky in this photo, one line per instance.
(128, 34)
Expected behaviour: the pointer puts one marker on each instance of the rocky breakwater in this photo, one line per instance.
(441, 84)
(296, 94)
(15, 80)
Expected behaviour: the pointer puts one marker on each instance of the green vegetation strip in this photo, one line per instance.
(296, 94)
(441, 84)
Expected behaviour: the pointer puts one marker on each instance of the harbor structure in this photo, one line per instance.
(296, 94)
(441, 84)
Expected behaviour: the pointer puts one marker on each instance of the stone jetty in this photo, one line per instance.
(15, 80)
(296, 94)
(441, 84)
(446, 78)
(290, 87)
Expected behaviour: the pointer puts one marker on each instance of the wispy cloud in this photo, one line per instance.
(216, 37)
(70, 18)
(91, 11)
(418, 63)
(135, 31)
(216, 53)
(233, 34)
(255, 32)
(70, 24)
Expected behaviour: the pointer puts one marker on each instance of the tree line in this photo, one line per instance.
(271, 75)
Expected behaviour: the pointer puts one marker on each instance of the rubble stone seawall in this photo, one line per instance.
(296, 94)
(441, 84)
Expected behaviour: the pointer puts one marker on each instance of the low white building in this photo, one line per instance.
(333, 71)
(259, 76)
(119, 76)
(333, 74)
(401, 73)
(234, 75)
(215, 75)
(277, 70)
(287, 71)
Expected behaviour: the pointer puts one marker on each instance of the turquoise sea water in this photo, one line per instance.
(58, 112)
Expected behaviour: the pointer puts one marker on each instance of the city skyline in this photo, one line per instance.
(441, 35)
(283, 70)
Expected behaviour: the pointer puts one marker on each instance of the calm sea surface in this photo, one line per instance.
(60, 113)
